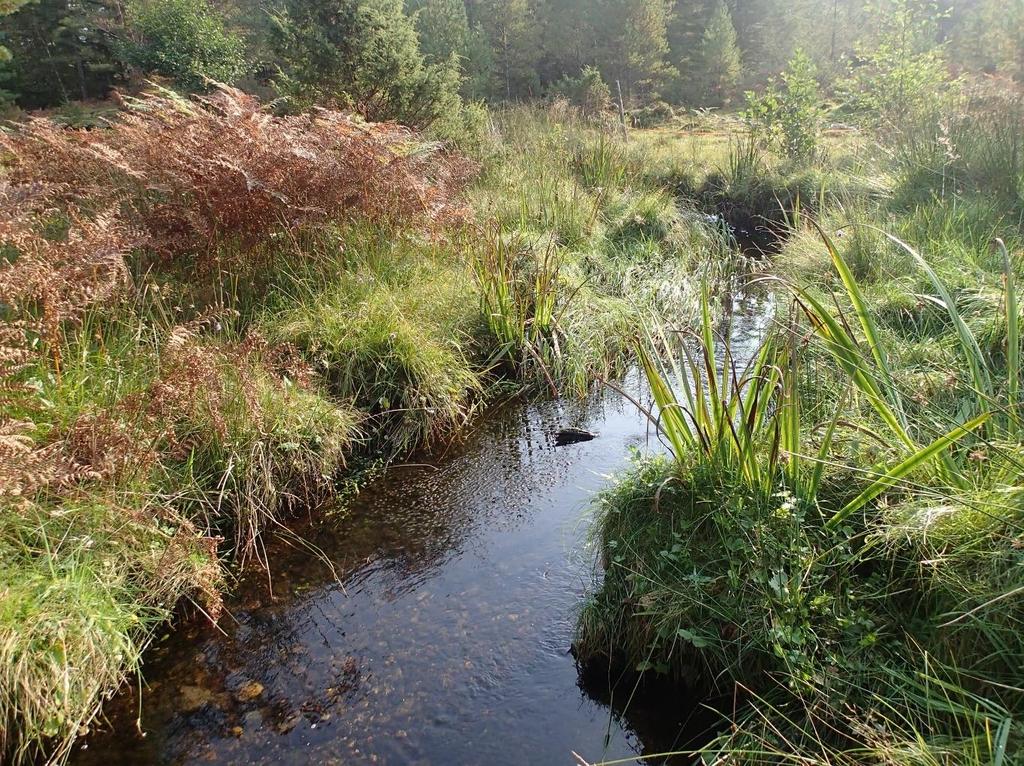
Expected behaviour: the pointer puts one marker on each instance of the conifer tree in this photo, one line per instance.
(363, 54)
(443, 28)
(721, 66)
(513, 31)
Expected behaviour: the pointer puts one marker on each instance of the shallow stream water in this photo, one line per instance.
(439, 633)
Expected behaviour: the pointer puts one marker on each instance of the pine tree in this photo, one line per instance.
(569, 36)
(59, 50)
(646, 45)
(513, 30)
(720, 56)
(443, 28)
(364, 54)
(7, 7)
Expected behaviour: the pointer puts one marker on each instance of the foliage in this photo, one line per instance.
(185, 40)
(780, 552)
(59, 50)
(902, 77)
(443, 28)
(652, 115)
(588, 91)
(221, 166)
(362, 54)
(142, 420)
(721, 66)
(395, 329)
(789, 118)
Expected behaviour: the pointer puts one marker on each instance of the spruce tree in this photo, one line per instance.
(363, 54)
(720, 56)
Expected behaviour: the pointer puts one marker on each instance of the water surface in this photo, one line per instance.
(440, 631)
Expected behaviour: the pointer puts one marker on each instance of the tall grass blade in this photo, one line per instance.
(975, 359)
(867, 324)
(849, 356)
(892, 476)
(1012, 337)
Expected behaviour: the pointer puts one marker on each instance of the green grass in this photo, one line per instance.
(836, 537)
(214, 403)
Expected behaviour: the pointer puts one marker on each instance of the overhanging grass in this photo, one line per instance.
(853, 630)
(84, 584)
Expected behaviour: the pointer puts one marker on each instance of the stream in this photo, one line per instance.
(442, 635)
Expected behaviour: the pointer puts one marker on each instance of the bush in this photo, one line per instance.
(589, 92)
(186, 40)
(788, 119)
(227, 170)
(364, 55)
(653, 115)
(902, 80)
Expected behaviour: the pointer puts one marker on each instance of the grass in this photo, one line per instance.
(834, 537)
(151, 439)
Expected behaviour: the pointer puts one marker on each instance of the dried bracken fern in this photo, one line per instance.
(221, 166)
(117, 507)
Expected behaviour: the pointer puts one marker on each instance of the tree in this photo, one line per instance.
(513, 31)
(363, 54)
(720, 56)
(587, 91)
(60, 50)
(645, 43)
(7, 7)
(900, 77)
(569, 37)
(443, 28)
(988, 35)
(183, 39)
(789, 118)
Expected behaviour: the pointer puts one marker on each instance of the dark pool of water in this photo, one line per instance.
(439, 634)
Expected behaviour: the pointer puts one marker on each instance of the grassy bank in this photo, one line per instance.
(208, 313)
(833, 542)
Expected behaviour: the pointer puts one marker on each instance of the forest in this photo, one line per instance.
(427, 52)
(380, 382)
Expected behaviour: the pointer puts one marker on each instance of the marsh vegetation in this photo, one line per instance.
(221, 312)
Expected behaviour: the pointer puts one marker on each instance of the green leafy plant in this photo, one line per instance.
(185, 40)
(788, 118)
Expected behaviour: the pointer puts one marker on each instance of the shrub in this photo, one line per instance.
(190, 173)
(365, 55)
(588, 91)
(789, 118)
(902, 79)
(185, 40)
(653, 115)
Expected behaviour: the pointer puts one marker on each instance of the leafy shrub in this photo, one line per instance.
(186, 40)
(789, 118)
(902, 79)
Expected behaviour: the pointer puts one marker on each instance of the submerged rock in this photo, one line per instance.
(249, 691)
(568, 436)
